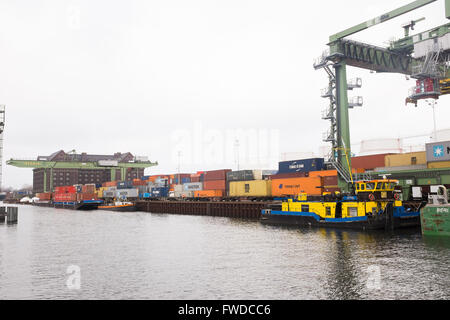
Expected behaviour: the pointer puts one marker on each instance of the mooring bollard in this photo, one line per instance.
(12, 214)
(2, 214)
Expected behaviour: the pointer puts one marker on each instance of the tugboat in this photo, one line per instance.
(373, 204)
(435, 216)
(120, 206)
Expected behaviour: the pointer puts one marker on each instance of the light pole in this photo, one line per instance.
(236, 146)
(432, 103)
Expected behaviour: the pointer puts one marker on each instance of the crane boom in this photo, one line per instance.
(387, 16)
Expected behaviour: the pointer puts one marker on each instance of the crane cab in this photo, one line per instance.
(376, 189)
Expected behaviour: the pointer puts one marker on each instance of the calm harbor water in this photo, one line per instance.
(156, 256)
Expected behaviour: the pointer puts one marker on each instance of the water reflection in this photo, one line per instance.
(342, 271)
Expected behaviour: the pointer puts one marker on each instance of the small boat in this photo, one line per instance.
(119, 206)
(435, 216)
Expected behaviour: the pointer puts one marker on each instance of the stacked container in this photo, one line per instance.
(66, 193)
(214, 181)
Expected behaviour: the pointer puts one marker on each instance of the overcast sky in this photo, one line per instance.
(158, 77)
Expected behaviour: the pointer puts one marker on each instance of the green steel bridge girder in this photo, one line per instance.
(361, 55)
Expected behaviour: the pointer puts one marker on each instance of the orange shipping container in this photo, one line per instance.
(295, 186)
(208, 193)
(44, 196)
(330, 173)
(109, 184)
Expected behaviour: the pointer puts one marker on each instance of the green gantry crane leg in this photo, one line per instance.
(343, 127)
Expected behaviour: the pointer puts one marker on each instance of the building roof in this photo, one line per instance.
(84, 157)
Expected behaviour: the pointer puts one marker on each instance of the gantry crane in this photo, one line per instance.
(424, 56)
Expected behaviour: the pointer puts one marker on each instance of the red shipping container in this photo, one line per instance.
(88, 188)
(330, 181)
(216, 175)
(65, 189)
(195, 178)
(139, 183)
(214, 185)
(369, 162)
(88, 196)
(65, 197)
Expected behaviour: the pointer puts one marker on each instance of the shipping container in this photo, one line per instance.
(159, 192)
(127, 193)
(124, 184)
(195, 178)
(184, 194)
(303, 165)
(110, 184)
(405, 159)
(108, 163)
(289, 175)
(401, 168)
(86, 196)
(193, 186)
(369, 162)
(439, 165)
(44, 195)
(65, 197)
(65, 189)
(295, 186)
(146, 195)
(109, 194)
(214, 185)
(254, 188)
(216, 175)
(438, 151)
(178, 188)
(88, 188)
(331, 173)
(139, 182)
(244, 175)
(208, 193)
(330, 181)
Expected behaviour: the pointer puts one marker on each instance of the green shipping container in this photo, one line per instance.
(435, 220)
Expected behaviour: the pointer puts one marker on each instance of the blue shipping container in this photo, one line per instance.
(304, 165)
(185, 180)
(145, 178)
(124, 184)
(160, 192)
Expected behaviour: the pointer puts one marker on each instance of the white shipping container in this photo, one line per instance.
(193, 186)
(141, 158)
(127, 193)
(108, 163)
(178, 188)
(184, 194)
